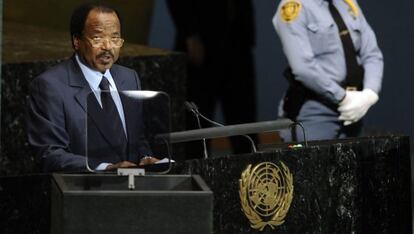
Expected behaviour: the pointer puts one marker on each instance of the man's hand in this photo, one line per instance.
(147, 160)
(355, 105)
(123, 164)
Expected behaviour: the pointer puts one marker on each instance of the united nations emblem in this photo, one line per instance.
(266, 192)
(290, 10)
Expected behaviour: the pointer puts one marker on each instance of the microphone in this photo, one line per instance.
(193, 108)
(197, 115)
(190, 107)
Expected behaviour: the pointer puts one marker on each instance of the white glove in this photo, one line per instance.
(355, 105)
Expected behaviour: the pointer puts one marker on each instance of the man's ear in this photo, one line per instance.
(76, 42)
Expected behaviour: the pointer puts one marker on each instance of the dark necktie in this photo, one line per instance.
(354, 71)
(110, 113)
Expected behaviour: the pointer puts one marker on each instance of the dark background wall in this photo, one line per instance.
(55, 15)
(392, 22)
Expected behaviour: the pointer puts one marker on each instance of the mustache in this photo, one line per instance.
(105, 53)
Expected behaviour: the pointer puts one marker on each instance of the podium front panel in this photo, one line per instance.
(104, 204)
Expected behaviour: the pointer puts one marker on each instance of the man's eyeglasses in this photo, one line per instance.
(98, 42)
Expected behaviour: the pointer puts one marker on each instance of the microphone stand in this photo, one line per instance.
(193, 107)
(197, 115)
(254, 150)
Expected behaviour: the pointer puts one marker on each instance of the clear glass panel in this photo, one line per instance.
(112, 139)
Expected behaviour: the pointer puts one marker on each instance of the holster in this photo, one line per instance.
(297, 94)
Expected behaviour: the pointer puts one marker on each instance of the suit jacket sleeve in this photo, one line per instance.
(46, 129)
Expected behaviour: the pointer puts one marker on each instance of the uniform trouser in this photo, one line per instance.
(228, 79)
(320, 122)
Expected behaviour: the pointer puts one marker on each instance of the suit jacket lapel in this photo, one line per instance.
(120, 81)
(76, 79)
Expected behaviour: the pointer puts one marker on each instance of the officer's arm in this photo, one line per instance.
(371, 57)
(296, 45)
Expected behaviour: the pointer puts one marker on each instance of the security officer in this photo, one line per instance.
(336, 67)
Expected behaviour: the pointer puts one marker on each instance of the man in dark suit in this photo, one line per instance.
(75, 108)
(218, 37)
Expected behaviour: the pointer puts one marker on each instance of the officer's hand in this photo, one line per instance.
(355, 105)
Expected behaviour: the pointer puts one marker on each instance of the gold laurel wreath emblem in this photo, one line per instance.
(280, 183)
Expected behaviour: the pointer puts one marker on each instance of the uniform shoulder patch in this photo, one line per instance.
(290, 10)
(353, 9)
